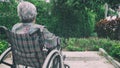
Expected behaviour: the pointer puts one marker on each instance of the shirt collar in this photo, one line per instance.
(31, 23)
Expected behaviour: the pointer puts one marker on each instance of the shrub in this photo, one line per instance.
(115, 50)
(110, 29)
(82, 44)
(3, 46)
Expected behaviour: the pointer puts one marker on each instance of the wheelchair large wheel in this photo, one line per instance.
(54, 60)
(4, 57)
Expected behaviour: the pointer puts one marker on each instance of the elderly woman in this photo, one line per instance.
(27, 13)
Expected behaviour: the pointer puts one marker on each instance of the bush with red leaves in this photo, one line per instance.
(108, 28)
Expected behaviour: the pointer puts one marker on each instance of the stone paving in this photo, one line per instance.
(87, 59)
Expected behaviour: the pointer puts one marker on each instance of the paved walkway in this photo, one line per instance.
(88, 59)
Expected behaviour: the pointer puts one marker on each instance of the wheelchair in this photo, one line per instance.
(29, 51)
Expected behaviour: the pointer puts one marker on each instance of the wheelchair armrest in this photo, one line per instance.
(3, 56)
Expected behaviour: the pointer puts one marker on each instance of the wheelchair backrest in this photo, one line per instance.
(27, 48)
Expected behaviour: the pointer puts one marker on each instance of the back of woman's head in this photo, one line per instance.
(26, 11)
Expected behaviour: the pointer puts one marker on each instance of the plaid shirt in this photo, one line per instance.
(50, 40)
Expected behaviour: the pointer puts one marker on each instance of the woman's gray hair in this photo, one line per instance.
(26, 11)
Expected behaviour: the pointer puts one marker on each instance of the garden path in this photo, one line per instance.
(87, 59)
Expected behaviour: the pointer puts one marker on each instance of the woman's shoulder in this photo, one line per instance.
(16, 26)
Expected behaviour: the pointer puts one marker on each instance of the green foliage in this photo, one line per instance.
(115, 49)
(93, 44)
(3, 46)
(82, 44)
(8, 13)
(74, 19)
(65, 18)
